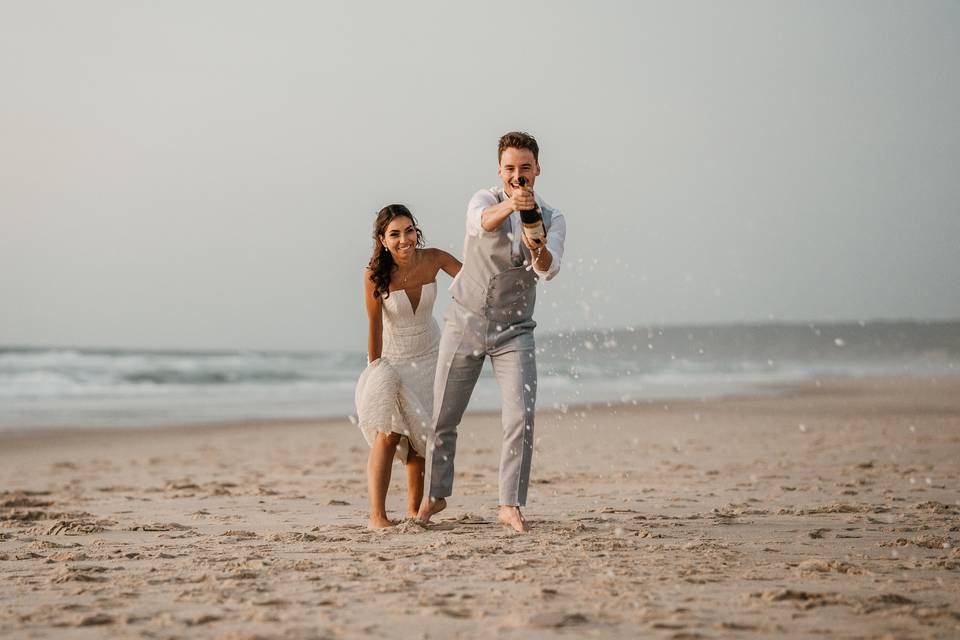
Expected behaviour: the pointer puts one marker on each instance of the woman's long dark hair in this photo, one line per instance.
(381, 263)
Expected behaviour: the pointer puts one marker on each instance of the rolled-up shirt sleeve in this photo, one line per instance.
(480, 201)
(556, 237)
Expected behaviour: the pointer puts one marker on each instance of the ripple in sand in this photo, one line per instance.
(180, 485)
(21, 500)
(556, 620)
(937, 507)
(159, 526)
(292, 537)
(739, 509)
(68, 556)
(76, 527)
(273, 602)
(836, 507)
(816, 565)
(239, 534)
(201, 619)
(802, 599)
(736, 626)
(79, 574)
(471, 518)
(410, 525)
(95, 620)
(925, 541)
(243, 575)
(25, 516)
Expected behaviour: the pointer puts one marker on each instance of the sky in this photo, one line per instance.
(206, 174)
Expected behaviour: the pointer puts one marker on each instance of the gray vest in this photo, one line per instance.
(495, 282)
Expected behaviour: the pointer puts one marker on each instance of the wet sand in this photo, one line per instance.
(829, 511)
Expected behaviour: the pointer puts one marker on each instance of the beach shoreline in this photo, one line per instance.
(25, 435)
(829, 511)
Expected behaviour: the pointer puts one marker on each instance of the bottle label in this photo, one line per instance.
(534, 231)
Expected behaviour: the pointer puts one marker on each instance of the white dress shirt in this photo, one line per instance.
(556, 234)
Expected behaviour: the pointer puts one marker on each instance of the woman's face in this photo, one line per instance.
(400, 237)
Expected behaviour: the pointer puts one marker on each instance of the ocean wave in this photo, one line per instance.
(67, 386)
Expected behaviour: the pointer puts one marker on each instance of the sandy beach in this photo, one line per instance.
(829, 510)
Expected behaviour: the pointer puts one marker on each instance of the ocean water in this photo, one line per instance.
(64, 387)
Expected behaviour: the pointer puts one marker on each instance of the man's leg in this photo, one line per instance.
(516, 373)
(459, 363)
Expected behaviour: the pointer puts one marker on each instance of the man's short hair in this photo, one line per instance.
(518, 140)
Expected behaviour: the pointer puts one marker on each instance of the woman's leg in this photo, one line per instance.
(379, 466)
(415, 466)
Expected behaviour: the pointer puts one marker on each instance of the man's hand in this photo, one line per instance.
(542, 258)
(522, 200)
(533, 246)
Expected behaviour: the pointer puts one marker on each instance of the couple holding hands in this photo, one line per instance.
(412, 395)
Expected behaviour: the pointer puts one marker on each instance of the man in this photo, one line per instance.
(492, 315)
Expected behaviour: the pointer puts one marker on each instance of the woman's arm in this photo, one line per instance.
(374, 319)
(446, 262)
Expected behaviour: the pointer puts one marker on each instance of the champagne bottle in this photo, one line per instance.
(532, 220)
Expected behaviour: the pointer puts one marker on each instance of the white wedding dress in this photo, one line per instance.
(395, 391)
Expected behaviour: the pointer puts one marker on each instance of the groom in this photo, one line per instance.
(492, 315)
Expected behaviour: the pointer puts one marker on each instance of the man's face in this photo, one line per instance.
(515, 163)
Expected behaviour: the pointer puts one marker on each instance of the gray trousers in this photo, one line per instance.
(466, 340)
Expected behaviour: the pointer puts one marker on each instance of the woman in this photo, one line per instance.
(395, 392)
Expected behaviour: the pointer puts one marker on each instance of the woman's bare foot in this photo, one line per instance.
(431, 507)
(512, 517)
(379, 522)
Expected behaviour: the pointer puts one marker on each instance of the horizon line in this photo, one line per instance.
(573, 330)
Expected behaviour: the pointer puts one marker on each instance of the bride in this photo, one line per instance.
(395, 392)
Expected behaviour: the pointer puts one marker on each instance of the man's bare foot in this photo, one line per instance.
(431, 507)
(379, 522)
(512, 517)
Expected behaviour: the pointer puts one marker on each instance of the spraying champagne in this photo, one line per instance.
(532, 220)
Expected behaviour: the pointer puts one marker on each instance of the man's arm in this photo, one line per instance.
(521, 200)
(542, 259)
(484, 213)
(480, 201)
(494, 215)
